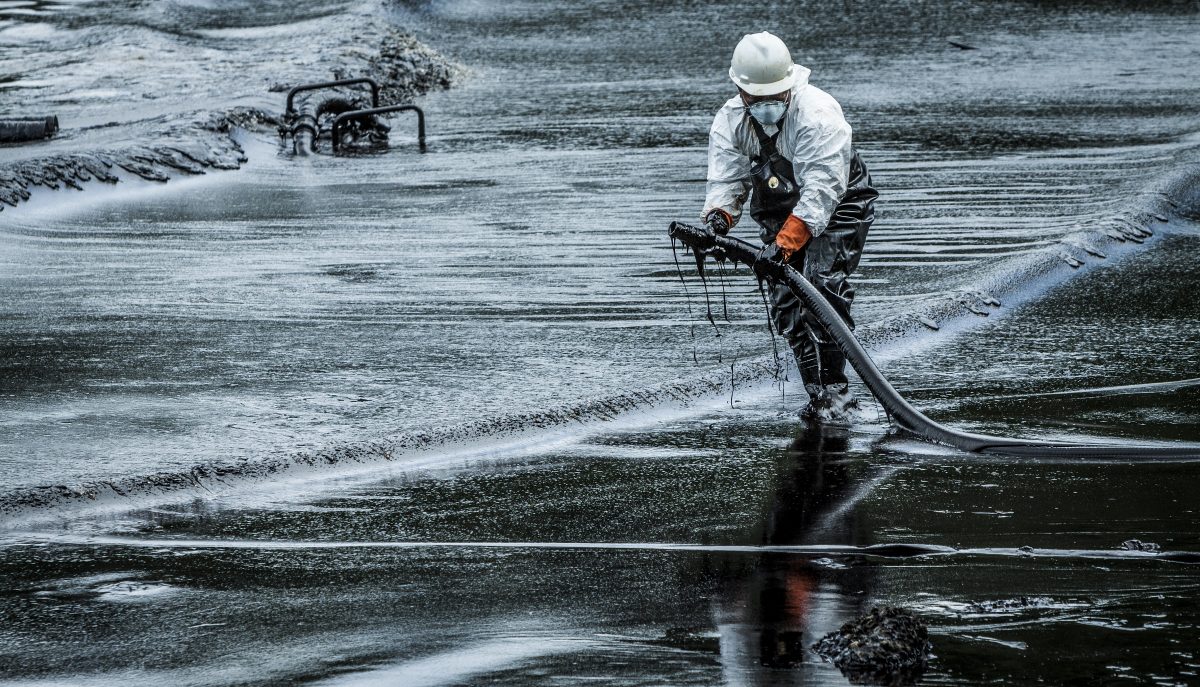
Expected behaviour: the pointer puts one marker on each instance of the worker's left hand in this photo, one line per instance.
(793, 237)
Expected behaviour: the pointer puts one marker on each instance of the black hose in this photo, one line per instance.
(27, 129)
(905, 415)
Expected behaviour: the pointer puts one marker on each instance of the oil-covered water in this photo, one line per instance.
(300, 307)
(566, 564)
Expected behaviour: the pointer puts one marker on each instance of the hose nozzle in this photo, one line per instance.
(697, 238)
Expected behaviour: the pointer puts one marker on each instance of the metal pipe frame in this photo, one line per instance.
(291, 96)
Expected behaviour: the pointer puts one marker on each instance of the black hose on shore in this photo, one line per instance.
(27, 129)
(905, 415)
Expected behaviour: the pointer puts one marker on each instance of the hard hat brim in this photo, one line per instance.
(743, 82)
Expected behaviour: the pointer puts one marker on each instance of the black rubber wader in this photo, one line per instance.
(827, 261)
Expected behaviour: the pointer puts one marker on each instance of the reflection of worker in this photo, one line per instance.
(767, 616)
(786, 145)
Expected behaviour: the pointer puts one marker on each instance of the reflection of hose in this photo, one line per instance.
(906, 416)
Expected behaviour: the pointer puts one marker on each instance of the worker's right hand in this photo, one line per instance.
(718, 221)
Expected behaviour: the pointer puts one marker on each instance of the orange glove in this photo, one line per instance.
(793, 236)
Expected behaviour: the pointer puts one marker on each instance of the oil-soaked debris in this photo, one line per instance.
(979, 298)
(191, 149)
(247, 118)
(987, 299)
(1070, 259)
(1022, 603)
(1139, 545)
(355, 274)
(887, 646)
(403, 66)
(698, 639)
(976, 302)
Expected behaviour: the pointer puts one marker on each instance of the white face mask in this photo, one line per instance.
(768, 112)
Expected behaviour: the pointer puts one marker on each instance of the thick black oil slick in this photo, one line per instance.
(438, 419)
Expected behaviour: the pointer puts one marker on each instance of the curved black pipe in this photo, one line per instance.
(905, 415)
(304, 138)
(291, 96)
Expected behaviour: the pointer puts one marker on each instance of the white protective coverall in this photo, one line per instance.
(814, 136)
(836, 203)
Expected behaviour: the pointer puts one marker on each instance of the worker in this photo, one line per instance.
(786, 146)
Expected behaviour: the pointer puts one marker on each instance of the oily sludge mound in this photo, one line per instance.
(188, 148)
(407, 68)
(887, 646)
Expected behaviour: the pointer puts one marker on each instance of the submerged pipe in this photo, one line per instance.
(905, 415)
(347, 117)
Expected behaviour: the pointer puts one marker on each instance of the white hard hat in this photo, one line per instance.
(762, 65)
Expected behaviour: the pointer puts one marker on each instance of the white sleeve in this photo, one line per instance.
(728, 171)
(821, 163)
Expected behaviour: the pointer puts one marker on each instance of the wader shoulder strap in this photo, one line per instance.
(766, 143)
